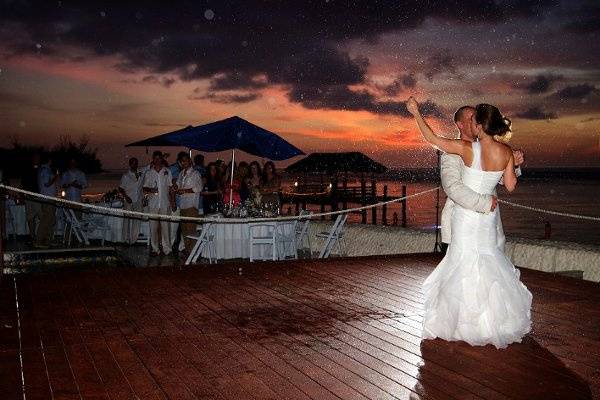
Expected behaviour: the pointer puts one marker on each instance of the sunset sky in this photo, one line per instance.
(327, 75)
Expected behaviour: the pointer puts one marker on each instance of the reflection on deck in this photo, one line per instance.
(337, 329)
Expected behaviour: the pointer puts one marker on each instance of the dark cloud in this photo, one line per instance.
(293, 44)
(541, 84)
(340, 97)
(536, 113)
(165, 81)
(576, 92)
(230, 98)
(405, 81)
(586, 19)
(237, 80)
(440, 63)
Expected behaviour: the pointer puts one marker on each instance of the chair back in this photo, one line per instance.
(76, 226)
(302, 225)
(338, 225)
(334, 235)
(255, 229)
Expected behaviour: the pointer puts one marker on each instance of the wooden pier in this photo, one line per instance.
(336, 329)
(338, 195)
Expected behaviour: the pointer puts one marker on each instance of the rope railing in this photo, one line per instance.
(550, 212)
(142, 215)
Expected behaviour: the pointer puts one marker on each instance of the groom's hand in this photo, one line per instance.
(494, 203)
(519, 157)
(412, 106)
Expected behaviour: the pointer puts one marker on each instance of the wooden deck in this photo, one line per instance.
(340, 329)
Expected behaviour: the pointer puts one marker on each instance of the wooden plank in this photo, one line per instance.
(335, 329)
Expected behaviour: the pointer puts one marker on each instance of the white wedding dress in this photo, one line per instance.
(475, 294)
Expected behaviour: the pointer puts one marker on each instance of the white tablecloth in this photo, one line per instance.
(16, 220)
(233, 241)
(115, 223)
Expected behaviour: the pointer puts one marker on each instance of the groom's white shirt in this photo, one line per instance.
(458, 193)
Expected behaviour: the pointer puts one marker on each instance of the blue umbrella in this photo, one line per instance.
(228, 134)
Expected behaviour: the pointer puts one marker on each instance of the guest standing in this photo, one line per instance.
(157, 188)
(199, 166)
(73, 181)
(189, 186)
(243, 173)
(231, 186)
(211, 192)
(47, 185)
(175, 227)
(131, 190)
(270, 185)
(255, 175)
(33, 207)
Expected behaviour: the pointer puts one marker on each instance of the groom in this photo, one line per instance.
(459, 193)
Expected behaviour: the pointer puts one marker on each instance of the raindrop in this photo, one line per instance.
(138, 15)
(245, 43)
(39, 46)
(209, 14)
(102, 14)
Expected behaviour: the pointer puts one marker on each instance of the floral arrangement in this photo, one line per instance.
(253, 207)
(111, 196)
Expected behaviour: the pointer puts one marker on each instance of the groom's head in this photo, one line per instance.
(462, 119)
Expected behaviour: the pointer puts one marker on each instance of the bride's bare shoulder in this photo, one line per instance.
(506, 150)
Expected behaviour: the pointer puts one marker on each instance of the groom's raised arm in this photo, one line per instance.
(457, 191)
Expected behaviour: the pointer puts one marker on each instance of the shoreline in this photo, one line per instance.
(537, 254)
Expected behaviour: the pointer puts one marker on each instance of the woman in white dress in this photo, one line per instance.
(475, 294)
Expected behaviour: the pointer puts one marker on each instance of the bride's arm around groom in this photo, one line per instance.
(451, 170)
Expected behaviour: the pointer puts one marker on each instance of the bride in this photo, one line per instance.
(475, 294)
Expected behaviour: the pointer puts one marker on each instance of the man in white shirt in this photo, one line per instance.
(73, 182)
(131, 190)
(188, 187)
(459, 193)
(47, 185)
(157, 189)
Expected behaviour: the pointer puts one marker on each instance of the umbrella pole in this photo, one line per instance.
(231, 178)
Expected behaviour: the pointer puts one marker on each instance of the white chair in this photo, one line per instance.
(82, 229)
(144, 235)
(10, 220)
(92, 223)
(74, 226)
(205, 240)
(333, 237)
(285, 237)
(302, 233)
(258, 237)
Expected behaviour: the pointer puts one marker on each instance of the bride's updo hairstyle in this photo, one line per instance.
(491, 120)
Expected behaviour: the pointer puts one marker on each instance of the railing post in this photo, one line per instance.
(363, 199)
(404, 206)
(345, 193)
(322, 198)
(373, 201)
(334, 196)
(384, 208)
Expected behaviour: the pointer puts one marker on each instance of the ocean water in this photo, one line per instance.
(563, 195)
